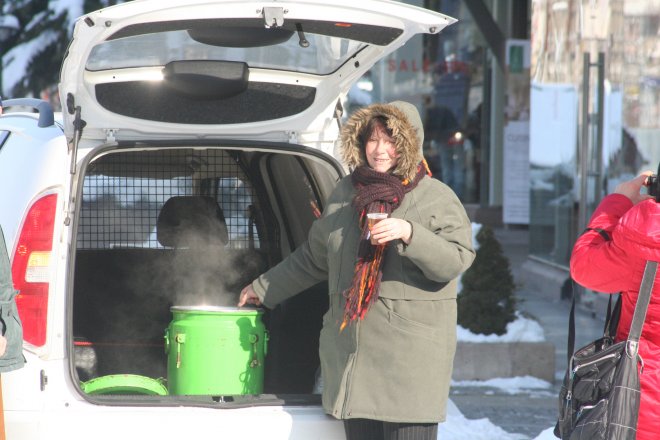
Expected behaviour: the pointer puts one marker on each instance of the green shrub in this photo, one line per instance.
(486, 303)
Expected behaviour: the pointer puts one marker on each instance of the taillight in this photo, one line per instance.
(31, 268)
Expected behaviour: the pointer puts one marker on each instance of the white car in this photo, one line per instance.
(194, 151)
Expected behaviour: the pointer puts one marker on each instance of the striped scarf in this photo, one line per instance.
(375, 192)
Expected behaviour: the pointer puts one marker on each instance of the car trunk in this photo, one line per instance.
(190, 226)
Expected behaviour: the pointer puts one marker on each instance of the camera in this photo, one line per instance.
(652, 184)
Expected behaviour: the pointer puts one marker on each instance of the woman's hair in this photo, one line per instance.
(369, 127)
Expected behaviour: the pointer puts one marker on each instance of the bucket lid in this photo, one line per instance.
(216, 309)
(124, 384)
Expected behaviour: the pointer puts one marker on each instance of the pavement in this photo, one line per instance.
(538, 295)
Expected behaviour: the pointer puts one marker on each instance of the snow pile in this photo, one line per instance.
(508, 385)
(520, 330)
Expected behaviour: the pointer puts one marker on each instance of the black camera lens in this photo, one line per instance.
(652, 184)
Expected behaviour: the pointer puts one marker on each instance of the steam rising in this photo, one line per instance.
(204, 273)
(123, 297)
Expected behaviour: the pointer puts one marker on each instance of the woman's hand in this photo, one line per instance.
(391, 229)
(632, 188)
(248, 296)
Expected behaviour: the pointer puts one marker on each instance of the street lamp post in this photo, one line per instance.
(8, 25)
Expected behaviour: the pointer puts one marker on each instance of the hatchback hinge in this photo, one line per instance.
(273, 17)
(339, 113)
(78, 126)
(110, 135)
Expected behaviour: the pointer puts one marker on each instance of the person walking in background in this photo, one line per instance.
(443, 133)
(610, 256)
(388, 339)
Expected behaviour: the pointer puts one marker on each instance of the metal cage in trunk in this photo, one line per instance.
(163, 227)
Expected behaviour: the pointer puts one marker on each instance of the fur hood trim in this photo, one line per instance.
(406, 125)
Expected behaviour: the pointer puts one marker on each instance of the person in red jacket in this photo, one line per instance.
(610, 256)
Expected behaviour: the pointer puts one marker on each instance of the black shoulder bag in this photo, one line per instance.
(599, 397)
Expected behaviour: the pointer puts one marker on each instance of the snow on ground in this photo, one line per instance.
(457, 427)
(546, 435)
(508, 385)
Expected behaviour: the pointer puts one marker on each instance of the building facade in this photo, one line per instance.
(535, 109)
(595, 111)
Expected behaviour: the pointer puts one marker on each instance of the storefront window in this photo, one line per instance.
(575, 161)
(443, 75)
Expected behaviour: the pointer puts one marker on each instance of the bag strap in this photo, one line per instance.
(612, 317)
(642, 301)
(570, 345)
(609, 329)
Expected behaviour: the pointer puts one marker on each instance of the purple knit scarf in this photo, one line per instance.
(375, 192)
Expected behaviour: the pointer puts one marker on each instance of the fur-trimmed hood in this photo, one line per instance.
(407, 130)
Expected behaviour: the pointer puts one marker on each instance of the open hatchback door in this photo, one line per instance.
(269, 71)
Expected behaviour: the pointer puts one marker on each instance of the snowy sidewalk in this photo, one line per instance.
(519, 408)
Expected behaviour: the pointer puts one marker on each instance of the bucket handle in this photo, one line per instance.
(254, 340)
(180, 339)
(266, 339)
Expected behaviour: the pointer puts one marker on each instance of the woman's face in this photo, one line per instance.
(380, 150)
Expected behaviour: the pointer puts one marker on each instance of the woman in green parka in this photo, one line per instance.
(389, 336)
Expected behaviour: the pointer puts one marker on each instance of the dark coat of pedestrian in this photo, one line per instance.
(623, 233)
(11, 345)
(388, 339)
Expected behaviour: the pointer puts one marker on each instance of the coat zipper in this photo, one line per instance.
(593, 362)
(344, 410)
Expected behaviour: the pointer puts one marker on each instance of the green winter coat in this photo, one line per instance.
(10, 323)
(394, 365)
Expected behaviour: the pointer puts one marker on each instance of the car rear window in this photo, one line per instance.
(123, 194)
(315, 47)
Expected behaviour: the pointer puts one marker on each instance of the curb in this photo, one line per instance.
(483, 361)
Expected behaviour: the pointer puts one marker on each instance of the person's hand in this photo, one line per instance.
(632, 188)
(391, 229)
(3, 345)
(248, 296)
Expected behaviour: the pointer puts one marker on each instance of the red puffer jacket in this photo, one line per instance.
(617, 266)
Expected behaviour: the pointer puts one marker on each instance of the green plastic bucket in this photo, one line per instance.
(215, 351)
(124, 384)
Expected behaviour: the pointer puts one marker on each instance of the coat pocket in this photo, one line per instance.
(432, 320)
(590, 422)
